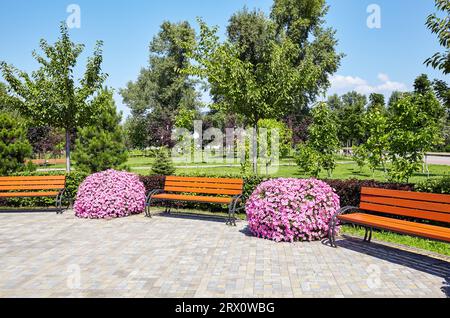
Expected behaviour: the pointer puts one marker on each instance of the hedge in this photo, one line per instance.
(348, 190)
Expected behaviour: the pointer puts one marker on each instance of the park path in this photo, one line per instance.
(48, 255)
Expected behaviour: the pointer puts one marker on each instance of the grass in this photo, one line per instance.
(342, 171)
(424, 244)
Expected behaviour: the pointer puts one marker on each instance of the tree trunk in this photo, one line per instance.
(67, 150)
(255, 150)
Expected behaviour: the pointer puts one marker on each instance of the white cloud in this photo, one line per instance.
(341, 84)
(383, 77)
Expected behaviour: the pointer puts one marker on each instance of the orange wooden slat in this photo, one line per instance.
(206, 199)
(27, 194)
(405, 227)
(206, 180)
(231, 186)
(31, 187)
(421, 205)
(426, 215)
(420, 196)
(204, 191)
(400, 221)
(32, 178)
(42, 182)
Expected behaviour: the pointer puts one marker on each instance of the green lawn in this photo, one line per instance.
(433, 246)
(343, 171)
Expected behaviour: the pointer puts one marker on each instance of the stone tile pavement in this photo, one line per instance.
(48, 255)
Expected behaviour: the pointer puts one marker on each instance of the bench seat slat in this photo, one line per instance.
(205, 180)
(31, 187)
(202, 191)
(399, 226)
(419, 196)
(32, 178)
(42, 182)
(27, 194)
(406, 203)
(204, 185)
(179, 197)
(414, 213)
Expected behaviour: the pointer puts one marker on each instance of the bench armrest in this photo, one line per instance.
(341, 211)
(153, 192)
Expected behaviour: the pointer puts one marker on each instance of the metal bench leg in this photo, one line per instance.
(370, 236)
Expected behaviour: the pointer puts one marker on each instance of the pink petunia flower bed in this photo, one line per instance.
(291, 210)
(110, 194)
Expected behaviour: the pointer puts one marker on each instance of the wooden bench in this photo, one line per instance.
(34, 186)
(223, 191)
(380, 209)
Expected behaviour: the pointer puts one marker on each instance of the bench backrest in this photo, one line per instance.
(32, 183)
(219, 186)
(426, 206)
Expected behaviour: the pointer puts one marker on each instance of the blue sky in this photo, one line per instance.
(377, 60)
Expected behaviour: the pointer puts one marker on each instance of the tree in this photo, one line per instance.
(415, 127)
(320, 149)
(376, 101)
(376, 145)
(440, 26)
(260, 71)
(162, 89)
(284, 134)
(349, 114)
(50, 95)
(303, 22)
(101, 146)
(44, 139)
(163, 164)
(14, 146)
(422, 84)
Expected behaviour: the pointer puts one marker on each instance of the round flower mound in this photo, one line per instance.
(291, 209)
(110, 194)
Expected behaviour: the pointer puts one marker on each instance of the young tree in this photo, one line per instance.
(14, 146)
(101, 146)
(163, 164)
(50, 95)
(415, 127)
(349, 117)
(320, 149)
(376, 145)
(262, 71)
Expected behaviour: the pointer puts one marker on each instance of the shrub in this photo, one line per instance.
(110, 194)
(14, 146)
(349, 191)
(291, 209)
(101, 146)
(163, 164)
(437, 185)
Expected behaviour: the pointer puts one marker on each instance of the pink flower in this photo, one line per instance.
(110, 194)
(291, 209)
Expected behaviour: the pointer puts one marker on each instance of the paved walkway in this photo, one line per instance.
(44, 255)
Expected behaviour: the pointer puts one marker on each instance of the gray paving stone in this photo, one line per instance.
(48, 255)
